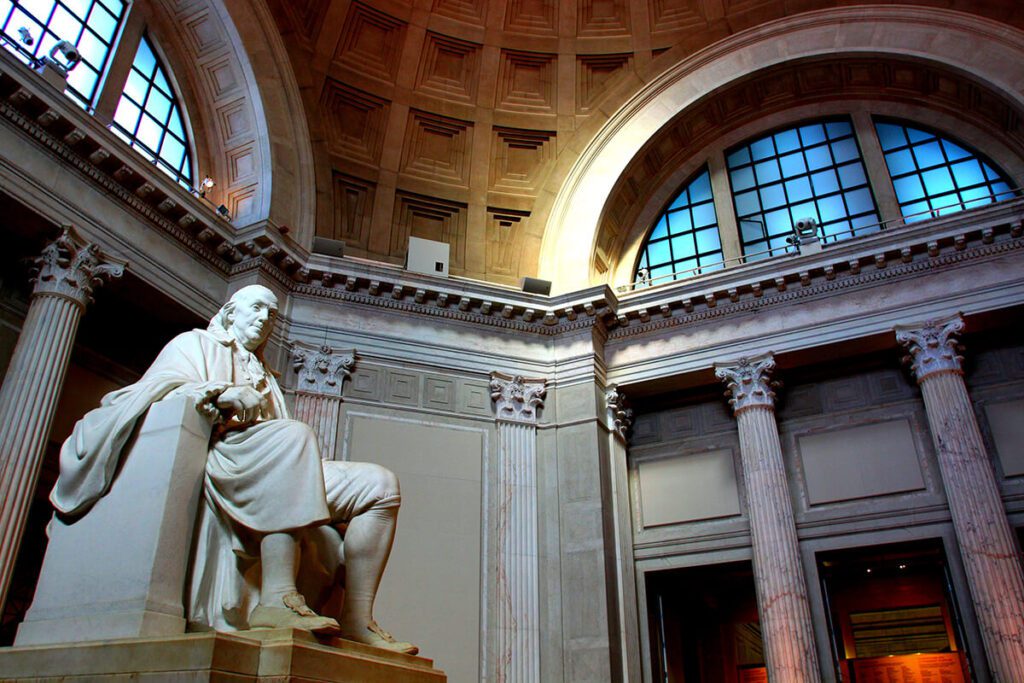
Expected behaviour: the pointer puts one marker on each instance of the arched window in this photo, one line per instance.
(814, 169)
(31, 29)
(685, 240)
(934, 176)
(809, 171)
(148, 116)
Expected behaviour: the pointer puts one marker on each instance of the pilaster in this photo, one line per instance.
(516, 402)
(66, 274)
(991, 559)
(321, 378)
(786, 626)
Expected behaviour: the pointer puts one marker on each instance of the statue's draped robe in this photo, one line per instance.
(261, 478)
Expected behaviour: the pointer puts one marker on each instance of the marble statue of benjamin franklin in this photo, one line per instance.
(267, 493)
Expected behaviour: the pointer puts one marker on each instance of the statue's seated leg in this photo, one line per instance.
(365, 497)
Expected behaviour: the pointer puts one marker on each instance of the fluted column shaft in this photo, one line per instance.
(322, 413)
(786, 627)
(66, 276)
(518, 590)
(991, 561)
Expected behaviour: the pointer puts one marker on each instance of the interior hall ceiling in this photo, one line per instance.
(451, 119)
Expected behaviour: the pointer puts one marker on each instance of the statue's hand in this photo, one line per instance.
(243, 402)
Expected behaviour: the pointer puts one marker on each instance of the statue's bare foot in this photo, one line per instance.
(294, 614)
(374, 636)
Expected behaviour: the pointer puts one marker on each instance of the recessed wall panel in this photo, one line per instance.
(860, 462)
(688, 488)
(1006, 420)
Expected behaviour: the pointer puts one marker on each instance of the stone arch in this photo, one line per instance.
(246, 112)
(989, 52)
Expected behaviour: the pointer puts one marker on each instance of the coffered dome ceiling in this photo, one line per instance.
(457, 120)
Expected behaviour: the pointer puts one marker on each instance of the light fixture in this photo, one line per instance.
(205, 185)
(224, 213)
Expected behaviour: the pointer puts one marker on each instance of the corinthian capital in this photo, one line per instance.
(68, 268)
(748, 382)
(322, 370)
(517, 398)
(620, 418)
(933, 346)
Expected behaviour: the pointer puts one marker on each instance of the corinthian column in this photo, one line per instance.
(516, 401)
(778, 574)
(65, 275)
(322, 374)
(983, 532)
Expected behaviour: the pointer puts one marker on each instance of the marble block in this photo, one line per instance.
(119, 571)
(260, 656)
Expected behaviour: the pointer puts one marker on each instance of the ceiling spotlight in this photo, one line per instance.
(206, 185)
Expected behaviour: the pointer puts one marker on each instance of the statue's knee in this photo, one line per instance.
(385, 485)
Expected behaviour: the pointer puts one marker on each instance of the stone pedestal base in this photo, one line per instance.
(259, 656)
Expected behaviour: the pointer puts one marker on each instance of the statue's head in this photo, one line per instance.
(249, 316)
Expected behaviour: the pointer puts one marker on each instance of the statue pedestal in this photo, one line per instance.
(119, 571)
(261, 656)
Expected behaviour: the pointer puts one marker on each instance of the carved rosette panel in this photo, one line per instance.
(516, 398)
(323, 370)
(933, 346)
(748, 382)
(620, 418)
(67, 268)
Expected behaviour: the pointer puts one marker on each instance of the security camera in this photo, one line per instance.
(26, 36)
(69, 52)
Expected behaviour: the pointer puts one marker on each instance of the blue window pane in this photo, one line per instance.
(679, 221)
(91, 49)
(845, 150)
(837, 229)
(742, 179)
(852, 175)
(704, 215)
(700, 189)
(682, 200)
(977, 196)
(1001, 191)
(158, 106)
(831, 208)
(859, 201)
(83, 78)
(787, 141)
(767, 171)
(916, 135)
(707, 241)
(890, 136)
(864, 222)
(658, 253)
(928, 155)
(818, 157)
(747, 203)
(793, 164)
(954, 152)
(908, 189)
(738, 158)
(149, 132)
(762, 149)
(825, 182)
(103, 23)
(778, 222)
(938, 181)
(990, 173)
(660, 274)
(798, 190)
(660, 230)
(812, 135)
(135, 87)
(127, 115)
(838, 129)
(174, 125)
(686, 266)
(145, 60)
(806, 210)
(79, 8)
(945, 204)
(900, 162)
(772, 196)
(683, 247)
(751, 230)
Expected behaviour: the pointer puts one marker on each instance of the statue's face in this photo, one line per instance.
(253, 316)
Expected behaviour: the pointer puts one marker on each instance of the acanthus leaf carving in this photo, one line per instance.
(748, 382)
(932, 346)
(517, 398)
(68, 268)
(322, 370)
(620, 418)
